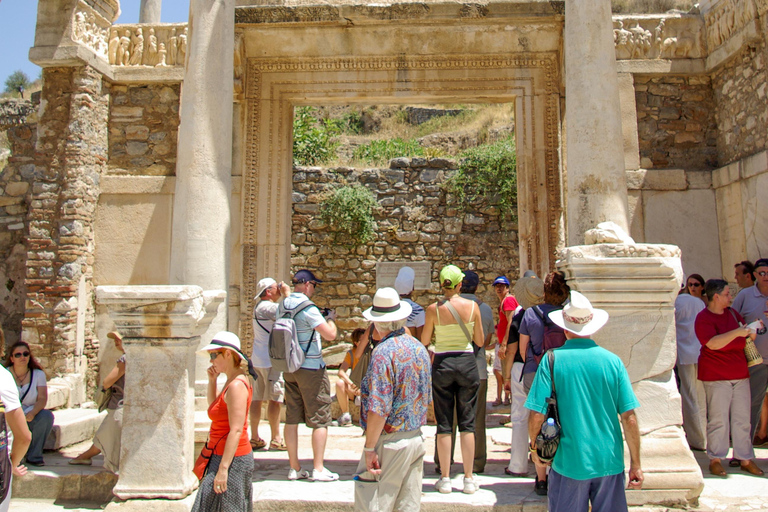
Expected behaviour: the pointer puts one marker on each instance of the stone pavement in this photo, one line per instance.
(272, 492)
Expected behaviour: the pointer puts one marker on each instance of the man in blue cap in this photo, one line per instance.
(308, 390)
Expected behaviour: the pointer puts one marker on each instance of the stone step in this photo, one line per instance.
(72, 426)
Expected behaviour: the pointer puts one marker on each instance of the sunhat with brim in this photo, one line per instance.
(453, 274)
(387, 307)
(529, 291)
(579, 317)
(229, 341)
(115, 335)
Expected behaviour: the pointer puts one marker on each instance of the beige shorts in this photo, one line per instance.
(269, 385)
(308, 398)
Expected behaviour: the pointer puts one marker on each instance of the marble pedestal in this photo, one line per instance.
(161, 326)
(637, 284)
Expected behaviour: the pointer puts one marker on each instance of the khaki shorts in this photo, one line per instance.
(308, 398)
(269, 385)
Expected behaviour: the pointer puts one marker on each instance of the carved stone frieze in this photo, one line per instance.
(673, 37)
(91, 28)
(108, 9)
(148, 45)
(473, 11)
(282, 14)
(727, 18)
(393, 11)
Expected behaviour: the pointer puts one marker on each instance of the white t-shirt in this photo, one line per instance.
(9, 394)
(264, 316)
(688, 345)
(37, 381)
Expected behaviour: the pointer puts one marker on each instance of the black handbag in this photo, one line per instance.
(549, 439)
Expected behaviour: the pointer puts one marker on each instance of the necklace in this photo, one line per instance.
(19, 381)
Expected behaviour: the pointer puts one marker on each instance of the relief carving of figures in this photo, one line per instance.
(123, 49)
(137, 47)
(671, 38)
(727, 19)
(150, 58)
(91, 30)
(181, 50)
(172, 48)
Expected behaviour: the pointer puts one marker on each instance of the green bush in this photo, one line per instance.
(348, 210)
(487, 176)
(379, 152)
(313, 140)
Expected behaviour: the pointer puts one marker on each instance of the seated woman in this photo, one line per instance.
(345, 388)
(107, 438)
(33, 395)
(230, 469)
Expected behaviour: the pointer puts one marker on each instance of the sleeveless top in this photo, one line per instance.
(451, 338)
(219, 415)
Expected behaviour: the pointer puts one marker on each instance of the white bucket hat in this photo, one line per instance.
(387, 307)
(579, 317)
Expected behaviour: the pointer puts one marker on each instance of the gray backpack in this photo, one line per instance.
(285, 352)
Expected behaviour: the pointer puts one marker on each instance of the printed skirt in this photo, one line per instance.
(239, 494)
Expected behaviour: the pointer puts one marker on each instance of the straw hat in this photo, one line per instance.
(529, 291)
(387, 307)
(579, 317)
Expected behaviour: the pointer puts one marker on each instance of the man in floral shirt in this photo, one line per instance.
(396, 392)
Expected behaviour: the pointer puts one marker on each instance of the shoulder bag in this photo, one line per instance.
(547, 442)
(750, 350)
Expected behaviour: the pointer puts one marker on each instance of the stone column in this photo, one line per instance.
(150, 11)
(201, 209)
(596, 188)
(161, 326)
(637, 285)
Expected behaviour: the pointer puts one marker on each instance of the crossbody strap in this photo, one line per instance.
(551, 358)
(459, 320)
(734, 317)
(31, 381)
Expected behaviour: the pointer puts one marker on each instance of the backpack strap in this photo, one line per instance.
(295, 311)
(541, 316)
(551, 359)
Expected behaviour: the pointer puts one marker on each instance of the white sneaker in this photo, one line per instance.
(324, 475)
(301, 474)
(444, 485)
(470, 486)
(345, 420)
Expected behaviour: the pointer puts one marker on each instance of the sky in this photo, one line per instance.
(17, 30)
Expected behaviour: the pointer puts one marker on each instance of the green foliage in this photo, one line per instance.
(487, 175)
(379, 152)
(348, 210)
(352, 122)
(446, 123)
(15, 80)
(313, 140)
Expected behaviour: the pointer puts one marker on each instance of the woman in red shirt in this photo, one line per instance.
(228, 480)
(724, 373)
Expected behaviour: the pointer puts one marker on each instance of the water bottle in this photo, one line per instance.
(549, 430)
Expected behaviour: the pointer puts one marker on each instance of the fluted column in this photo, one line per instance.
(596, 183)
(201, 209)
(150, 11)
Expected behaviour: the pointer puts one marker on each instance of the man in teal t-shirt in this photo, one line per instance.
(593, 392)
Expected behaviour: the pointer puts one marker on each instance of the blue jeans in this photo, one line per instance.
(569, 495)
(40, 427)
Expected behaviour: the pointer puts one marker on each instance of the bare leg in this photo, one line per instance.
(541, 474)
(762, 430)
(273, 414)
(319, 436)
(255, 418)
(89, 453)
(444, 453)
(499, 386)
(468, 452)
(291, 435)
(341, 396)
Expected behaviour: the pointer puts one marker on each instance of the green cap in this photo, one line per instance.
(453, 274)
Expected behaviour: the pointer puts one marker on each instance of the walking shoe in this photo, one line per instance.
(444, 485)
(301, 474)
(80, 462)
(470, 486)
(516, 475)
(540, 487)
(345, 420)
(324, 475)
(760, 441)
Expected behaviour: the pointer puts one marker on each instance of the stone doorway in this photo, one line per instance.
(276, 86)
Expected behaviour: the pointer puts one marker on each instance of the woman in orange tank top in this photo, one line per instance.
(227, 484)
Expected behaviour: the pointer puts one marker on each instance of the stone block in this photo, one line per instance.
(750, 166)
(699, 179)
(17, 188)
(725, 175)
(660, 403)
(134, 132)
(72, 426)
(665, 179)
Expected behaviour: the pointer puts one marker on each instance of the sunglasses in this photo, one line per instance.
(21, 354)
(762, 273)
(214, 355)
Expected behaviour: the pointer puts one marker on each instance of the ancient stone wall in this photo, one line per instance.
(15, 184)
(415, 223)
(676, 122)
(71, 157)
(143, 128)
(740, 89)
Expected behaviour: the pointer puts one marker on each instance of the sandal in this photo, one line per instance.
(496, 402)
(275, 445)
(258, 444)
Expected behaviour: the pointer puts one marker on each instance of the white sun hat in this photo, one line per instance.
(579, 317)
(387, 307)
(224, 339)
